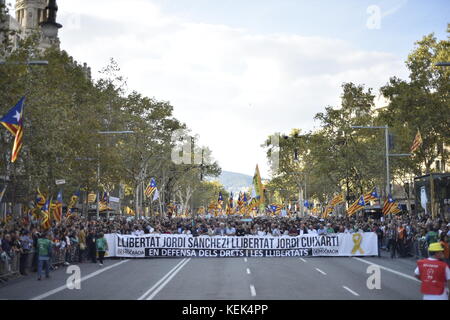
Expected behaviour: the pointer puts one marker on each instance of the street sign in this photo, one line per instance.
(59, 182)
(114, 199)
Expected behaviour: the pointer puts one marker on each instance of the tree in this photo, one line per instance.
(335, 157)
(421, 104)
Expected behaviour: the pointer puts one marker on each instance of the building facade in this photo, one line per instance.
(29, 14)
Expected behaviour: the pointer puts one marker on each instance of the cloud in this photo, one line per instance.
(231, 86)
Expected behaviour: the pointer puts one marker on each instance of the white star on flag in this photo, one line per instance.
(17, 116)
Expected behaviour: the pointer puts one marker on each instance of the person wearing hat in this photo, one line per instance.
(434, 274)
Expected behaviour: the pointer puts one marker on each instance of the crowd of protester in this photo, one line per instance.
(80, 239)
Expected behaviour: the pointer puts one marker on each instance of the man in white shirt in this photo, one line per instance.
(230, 230)
(312, 231)
(260, 233)
(135, 232)
(276, 232)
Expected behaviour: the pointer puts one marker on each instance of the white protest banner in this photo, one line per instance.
(169, 245)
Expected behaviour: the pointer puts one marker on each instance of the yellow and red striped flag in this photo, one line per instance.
(356, 206)
(396, 209)
(338, 199)
(371, 196)
(389, 203)
(46, 222)
(417, 142)
(57, 207)
(13, 121)
(150, 188)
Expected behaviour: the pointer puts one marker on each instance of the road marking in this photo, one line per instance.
(161, 280)
(303, 259)
(245, 259)
(321, 271)
(64, 287)
(388, 269)
(351, 291)
(252, 290)
(157, 290)
(248, 271)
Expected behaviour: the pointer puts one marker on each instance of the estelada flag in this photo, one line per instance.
(338, 199)
(417, 142)
(40, 200)
(13, 122)
(389, 204)
(150, 188)
(371, 196)
(356, 206)
(56, 207)
(396, 209)
(45, 222)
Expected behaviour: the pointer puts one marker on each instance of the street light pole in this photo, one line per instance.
(386, 130)
(388, 177)
(98, 180)
(98, 167)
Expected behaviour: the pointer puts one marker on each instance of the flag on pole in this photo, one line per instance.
(389, 203)
(396, 209)
(129, 211)
(275, 209)
(74, 199)
(104, 202)
(45, 222)
(338, 199)
(356, 206)
(150, 188)
(240, 200)
(371, 196)
(72, 204)
(13, 122)
(40, 200)
(57, 207)
(258, 187)
(417, 142)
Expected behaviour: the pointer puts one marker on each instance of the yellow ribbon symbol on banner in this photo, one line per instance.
(357, 238)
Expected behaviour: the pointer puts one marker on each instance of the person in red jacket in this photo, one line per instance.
(434, 274)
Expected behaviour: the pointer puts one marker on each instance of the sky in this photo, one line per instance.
(237, 71)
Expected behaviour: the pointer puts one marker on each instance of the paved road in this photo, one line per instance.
(225, 279)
